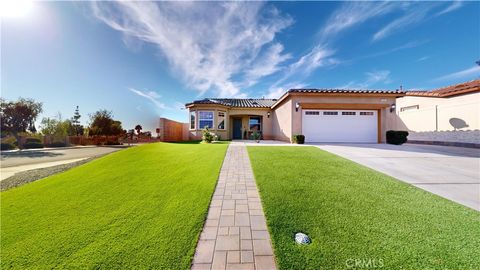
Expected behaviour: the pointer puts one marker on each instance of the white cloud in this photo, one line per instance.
(355, 13)
(151, 96)
(372, 78)
(414, 15)
(469, 73)
(454, 6)
(423, 58)
(208, 45)
(268, 64)
(276, 92)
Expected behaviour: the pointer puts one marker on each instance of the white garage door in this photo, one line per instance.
(357, 126)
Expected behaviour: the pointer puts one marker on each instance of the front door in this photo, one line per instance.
(237, 128)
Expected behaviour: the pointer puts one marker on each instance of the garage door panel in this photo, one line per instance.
(340, 126)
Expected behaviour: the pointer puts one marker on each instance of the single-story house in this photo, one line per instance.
(322, 115)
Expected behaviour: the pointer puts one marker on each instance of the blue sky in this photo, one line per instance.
(145, 60)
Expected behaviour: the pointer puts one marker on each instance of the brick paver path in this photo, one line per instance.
(235, 235)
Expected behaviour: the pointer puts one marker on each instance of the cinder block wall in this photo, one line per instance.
(173, 131)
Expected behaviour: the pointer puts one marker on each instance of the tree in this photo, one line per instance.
(75, 127)
(102, 123)
(138, 128)
(18, 116)
(54, 127)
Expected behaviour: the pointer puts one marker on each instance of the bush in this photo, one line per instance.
(7, 146)
(397, 137)
(57, 144)
(207, 135)
(256, 136)
(32, 140)
(31, 145)
(299, 139)
(112, 143)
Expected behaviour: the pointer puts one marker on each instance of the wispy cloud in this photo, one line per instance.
(371, 79)
(454, 6)
(469, 73)
(421, 59)
(268, 64)
(277, 91)
(354, 13)
(152, 96)
(412, 16)
(208, 45)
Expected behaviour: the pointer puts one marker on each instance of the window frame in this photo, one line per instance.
(206, 119)
(259, 123)
(224, 120)
(194, 113)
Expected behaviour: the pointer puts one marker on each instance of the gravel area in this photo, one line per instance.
(25, 177)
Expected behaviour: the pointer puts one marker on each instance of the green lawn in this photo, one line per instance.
(355, 214)
(140, 208)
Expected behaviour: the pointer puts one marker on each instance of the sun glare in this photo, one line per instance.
(15, 8)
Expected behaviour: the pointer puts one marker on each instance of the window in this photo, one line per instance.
(312, 113)
(330, 113)
(192, 119)
(348, 113)
(366, 113)
(408, 108)
(221, 120)
(255, 123)
(205, 119)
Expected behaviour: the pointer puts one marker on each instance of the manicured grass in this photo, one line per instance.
(140, 208)
(356, 215)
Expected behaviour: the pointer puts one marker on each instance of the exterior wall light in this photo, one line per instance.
(392, 107)
(297, 105)
(268, 114)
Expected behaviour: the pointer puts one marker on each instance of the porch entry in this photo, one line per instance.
(237, 129)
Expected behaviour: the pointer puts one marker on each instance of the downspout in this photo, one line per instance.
(436, 117)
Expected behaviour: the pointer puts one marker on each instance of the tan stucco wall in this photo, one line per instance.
(434, 114)
(230, 114)
(282, 121)
(196, 134)
(386, 116)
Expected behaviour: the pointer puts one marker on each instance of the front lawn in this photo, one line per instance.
(140, 208)
(358, 218)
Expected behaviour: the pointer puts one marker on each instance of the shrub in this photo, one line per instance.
(57, 144)
(256, 135)
(31, 145)
(397, 137)
(207, 135)
(32, 140)
(110, 142)
(298, 138)
(7, 146)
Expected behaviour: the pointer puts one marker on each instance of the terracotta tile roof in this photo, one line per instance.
(345, 91)
(237, 102)
(448, 91)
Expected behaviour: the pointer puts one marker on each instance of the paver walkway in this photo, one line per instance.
(235, 235)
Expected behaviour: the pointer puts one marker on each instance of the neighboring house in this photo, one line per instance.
(448, 114)
(322, 115)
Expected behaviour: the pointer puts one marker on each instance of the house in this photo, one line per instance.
(322, 115)
(449, 115)
(446, 115)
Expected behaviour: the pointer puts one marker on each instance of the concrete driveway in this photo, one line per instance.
(450, 172)
(19, 161)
